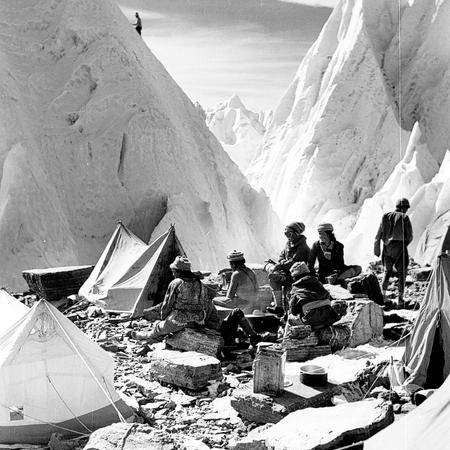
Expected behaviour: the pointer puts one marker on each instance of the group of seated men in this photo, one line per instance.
(296, 284)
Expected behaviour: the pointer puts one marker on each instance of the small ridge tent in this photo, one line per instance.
(53, 378)
(427, 354)
(122, 250)
(130, 275)
(146, 281)
(427, 427)
(12, 310)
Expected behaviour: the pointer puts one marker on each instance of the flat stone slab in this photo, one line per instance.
(208, 342)
(262, 408)
(190, 370)
(322, 428)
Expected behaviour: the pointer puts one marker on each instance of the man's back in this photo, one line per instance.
(395, 226)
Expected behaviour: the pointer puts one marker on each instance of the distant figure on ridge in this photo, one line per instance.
(396, 233)
(296, 250)
(243, 290)
(330, 254)
(138, 24)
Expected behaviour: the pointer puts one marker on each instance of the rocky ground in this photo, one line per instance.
(206, 419)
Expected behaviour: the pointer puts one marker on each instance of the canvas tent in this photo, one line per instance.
(130, 275)
(427, 354)
(53, 378)
(427, 427)
(12, 310)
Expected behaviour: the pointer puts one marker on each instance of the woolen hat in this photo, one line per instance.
(299, 268)
(402, 203)
(181, 263)
(297, 227)
(325, 227)
(235, 256)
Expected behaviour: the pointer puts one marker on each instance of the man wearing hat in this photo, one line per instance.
(396, 233)
(185, 305)
(243, 289)
(330, 255)
(309, 299)
(296, 250)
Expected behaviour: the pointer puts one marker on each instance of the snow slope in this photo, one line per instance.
(239, 130)
(93, 129)
(340, 132)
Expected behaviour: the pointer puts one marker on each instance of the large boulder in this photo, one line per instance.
(322, 428)
(133, 436)
(190, 370)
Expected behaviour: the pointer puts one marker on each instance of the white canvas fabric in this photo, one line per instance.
(11, 310)
(53, 378)
(427, 427)
(122, 251)
(434, 315)
(146, 281)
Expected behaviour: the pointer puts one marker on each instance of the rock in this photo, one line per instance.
(397, 408)
(338, 292)
(261, 408)
(327, 428)
(421, 274)
(420, 396)
(374, 393)
(58, 442)
(407, 407)
(255, 440)
(395, 331)
(190, 370)
(365, 320)
(208, 342)
(300, 342)
(125, 436)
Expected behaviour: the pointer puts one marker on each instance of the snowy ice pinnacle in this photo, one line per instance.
(344, 123)
(239, 130)
(93, 129)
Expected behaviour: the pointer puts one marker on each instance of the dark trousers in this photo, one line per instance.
(230, 325)
(138, 29)
(395, 257)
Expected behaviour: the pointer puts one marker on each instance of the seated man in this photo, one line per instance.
(330, 255)
(295, 250)
(184, 305)
(187, 305)
(309, 299)
(243, 290)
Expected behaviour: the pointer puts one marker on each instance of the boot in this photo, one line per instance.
(278, 300)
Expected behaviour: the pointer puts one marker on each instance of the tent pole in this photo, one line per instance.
(122, 419)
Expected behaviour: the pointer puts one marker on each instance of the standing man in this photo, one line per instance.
(396, 233)
(138, 24)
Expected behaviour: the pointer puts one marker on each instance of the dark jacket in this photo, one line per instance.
(327, 266)
(292, 253)
(311, 301)
(395, 227)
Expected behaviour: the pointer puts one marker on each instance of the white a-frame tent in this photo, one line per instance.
(131, 276)
(53, 378)
(11, 310)
(122, 250)
(427, 354)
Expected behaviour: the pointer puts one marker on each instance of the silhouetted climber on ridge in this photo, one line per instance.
(138, 24)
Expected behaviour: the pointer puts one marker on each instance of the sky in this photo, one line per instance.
(215, 48)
